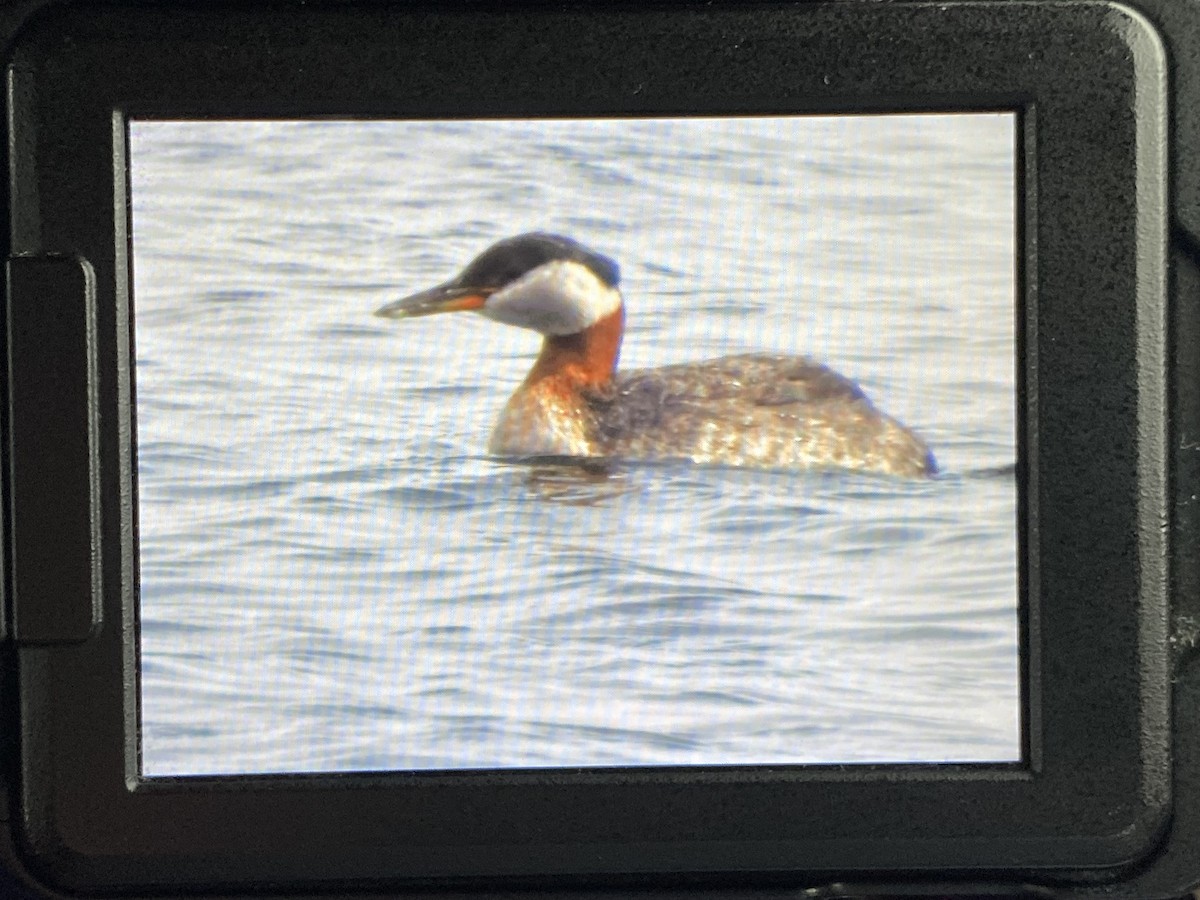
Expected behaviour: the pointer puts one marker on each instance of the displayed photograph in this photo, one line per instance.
(501, 444)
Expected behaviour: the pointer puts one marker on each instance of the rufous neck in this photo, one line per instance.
(585, 359)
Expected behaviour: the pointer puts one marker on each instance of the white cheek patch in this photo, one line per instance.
(557, 298)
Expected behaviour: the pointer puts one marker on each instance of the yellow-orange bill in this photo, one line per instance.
(431, 302)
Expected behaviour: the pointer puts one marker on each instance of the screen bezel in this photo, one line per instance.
(1088, 83)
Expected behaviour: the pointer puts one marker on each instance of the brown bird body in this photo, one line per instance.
(759, 410)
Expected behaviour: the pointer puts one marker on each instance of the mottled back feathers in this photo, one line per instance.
(752, 410)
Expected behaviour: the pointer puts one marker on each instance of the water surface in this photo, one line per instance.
(335, 575)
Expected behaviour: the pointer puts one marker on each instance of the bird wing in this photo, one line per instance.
(674, 402)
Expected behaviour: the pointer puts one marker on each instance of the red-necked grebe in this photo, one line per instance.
(754, 409)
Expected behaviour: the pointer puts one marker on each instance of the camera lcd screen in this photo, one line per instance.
(342, 569)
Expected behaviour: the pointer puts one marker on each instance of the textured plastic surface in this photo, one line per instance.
(1088, 814)
(50, 456)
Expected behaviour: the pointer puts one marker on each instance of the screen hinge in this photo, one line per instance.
(52, 588)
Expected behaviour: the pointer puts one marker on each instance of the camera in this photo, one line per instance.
(836, 532)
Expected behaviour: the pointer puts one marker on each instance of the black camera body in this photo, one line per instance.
(1103, 798)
